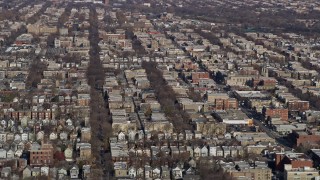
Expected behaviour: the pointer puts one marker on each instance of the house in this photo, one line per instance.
(85, 134)
(36, 171)
(189, 135)
(174, 151)
(85, 152)
(140, 135)
(132, 172)
(10, 137)
(174, 136)
(121, 136)
(233, 151)
(3, 137)
(10, 154)
(74, 172)
(63, 136)
(183, 150)
(190, 151)
(212, 150)
(53, 172)
(24, 137)
(22, 164)
(165, 150)
(140, 172)
(14, 146)
(86, 169)
(180, 136)
(120, 169)
(167, 135)
(132, 151)
(192, 163)
(197, 152)
(74, 135)
(53, 136)
(226, 151)
(69, 122)
(18, 153)
(26, 172)
(17, 137)
(165, 173)
(156, 173)
(44, 171)
(3, 123)
(161, 135)
(176, 173)
(40, 135)
(204, 151)
(24, 121)
(147, 172)
(132, 135)
(3, 153)
(227, 136)
(6, 172)
(62, 173)
(190, 171)
(155, 150)
(219, 151)
(68, 153)
(198, 135)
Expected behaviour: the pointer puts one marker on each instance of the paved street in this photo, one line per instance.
(279, 139)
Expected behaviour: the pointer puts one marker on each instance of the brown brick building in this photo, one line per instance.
(83, 102)
(31, 114)
(196, 76)
(249, 72)
(297, 160)
(301, 137)
(278, 112)
(114, 37)
(42, 156)
(298, 105)
(225, 104)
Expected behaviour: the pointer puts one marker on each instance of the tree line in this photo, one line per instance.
(100, 119)
(167, 98)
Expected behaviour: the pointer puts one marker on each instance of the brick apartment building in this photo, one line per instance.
(300, 137)
(186, 66)
(42, 156)
(225, 104)
(297, 160)
(263, 83)
(298, 105)
(277, 112)
(196, 76)
(249, 72)
(31, 114)
(114, 37)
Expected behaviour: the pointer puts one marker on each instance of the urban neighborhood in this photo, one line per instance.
(160, 89)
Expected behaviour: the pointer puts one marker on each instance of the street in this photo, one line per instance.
(279, 139)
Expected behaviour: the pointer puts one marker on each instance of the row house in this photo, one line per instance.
(31, 114)
(196, 76)
(224, 104)
(298, 105)
(277, 112)
(149, 172)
